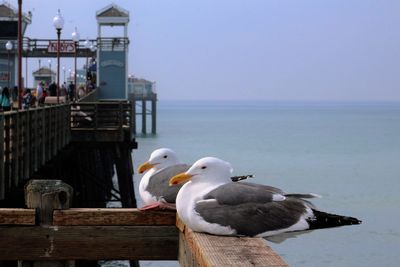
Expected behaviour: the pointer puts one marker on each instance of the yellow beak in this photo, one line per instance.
(144, 167)
(180, 178)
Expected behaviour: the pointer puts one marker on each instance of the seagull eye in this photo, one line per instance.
(165, 157)
(204, 167)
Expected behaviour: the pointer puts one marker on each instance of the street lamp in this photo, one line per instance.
(9, 46)
(58, 23)
(75, 38)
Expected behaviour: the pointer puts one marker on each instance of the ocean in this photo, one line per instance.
(347, 152)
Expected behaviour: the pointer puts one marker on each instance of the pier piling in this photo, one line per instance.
(46, 196)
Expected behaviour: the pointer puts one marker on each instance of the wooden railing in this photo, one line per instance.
(60, 233)
(102, 121)
(28, 139)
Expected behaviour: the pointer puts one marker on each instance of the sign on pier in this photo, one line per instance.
(65, 47)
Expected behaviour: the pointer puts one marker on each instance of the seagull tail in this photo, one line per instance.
(327, 220)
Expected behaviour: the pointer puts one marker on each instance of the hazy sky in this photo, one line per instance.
(249, 49)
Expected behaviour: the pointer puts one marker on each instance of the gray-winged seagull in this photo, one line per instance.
(153, 188)
(162, 165)
(209, 202)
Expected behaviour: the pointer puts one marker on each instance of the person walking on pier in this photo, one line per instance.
(53, 89)
(14, 94)
(71, 91)
(39, 94)
(5, 100)
(27, 99)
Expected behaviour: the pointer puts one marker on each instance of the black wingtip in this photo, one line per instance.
(241, 177)
(327, 220)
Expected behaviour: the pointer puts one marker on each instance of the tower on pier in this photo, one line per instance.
(112, 53)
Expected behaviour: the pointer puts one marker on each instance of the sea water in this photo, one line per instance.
(347, 152)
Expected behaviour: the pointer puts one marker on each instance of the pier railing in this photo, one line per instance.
(102, 121)
(49, 231)
(28, 139)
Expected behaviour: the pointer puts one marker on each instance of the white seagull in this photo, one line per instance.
(209, 202)
(153, 188)
(162, 165)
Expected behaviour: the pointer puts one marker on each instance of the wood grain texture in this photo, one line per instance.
(47, 195)
(89, 243)
(200, 249)
(114, 216)
(17, 216)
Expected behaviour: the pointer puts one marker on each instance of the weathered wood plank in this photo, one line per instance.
(89, 243)
(199, 249)
(2, 152)
(17, 216)
(117, 216)
(47, 195)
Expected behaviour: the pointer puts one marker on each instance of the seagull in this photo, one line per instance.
(162, 165)
(153, 188)
(209, 202)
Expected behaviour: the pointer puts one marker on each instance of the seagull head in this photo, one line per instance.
(159, 159)
(208, 169)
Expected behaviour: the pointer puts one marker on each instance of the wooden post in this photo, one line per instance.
(43, 136)
(15, 148)
(2, 179)
(144, 116)
(46, 196)
(27, 146)
(54, 131)
(154, 114)
(67, 124)
(34, 138)
(133, 118)
(48, 115)
(7, 151)
(123, 162)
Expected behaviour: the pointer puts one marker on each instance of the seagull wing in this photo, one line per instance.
(239, 192)
(158, 183)
(250, 215)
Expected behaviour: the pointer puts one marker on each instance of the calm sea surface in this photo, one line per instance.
(347, 152)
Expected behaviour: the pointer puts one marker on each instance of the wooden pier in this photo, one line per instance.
(141, 101)
(76, 142)
(56, 177)
(48, 231)
(29, 139)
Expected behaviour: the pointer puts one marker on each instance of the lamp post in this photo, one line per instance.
(58, 23)
(75, 38)
(9, 46)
